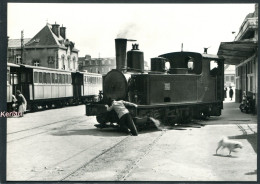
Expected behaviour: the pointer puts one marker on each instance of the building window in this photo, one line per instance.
(68, 58)
(63, 62)
(232, 78)
(74, 63)
(18, 59)
(36, 63)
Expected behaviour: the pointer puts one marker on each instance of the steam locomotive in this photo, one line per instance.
(46, 87)
(191, 88)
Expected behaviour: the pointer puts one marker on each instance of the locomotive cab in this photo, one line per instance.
(184, 62)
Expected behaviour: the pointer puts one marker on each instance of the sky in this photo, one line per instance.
(158, 28)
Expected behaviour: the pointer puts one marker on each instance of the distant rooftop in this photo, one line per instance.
(14, 43)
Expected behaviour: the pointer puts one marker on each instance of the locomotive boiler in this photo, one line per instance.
(191, 88)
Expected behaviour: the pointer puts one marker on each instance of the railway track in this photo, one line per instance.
(245, 130)
(37, 129)
(28, 129)
(122, 175)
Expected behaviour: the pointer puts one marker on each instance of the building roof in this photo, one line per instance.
(46, 38)
(43, 38)
(14, 43)
(235, 52)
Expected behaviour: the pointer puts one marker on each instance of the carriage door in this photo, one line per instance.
(14, 73)
(26, 82)
(77, 82)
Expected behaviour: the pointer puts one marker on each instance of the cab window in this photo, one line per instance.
(214, 68)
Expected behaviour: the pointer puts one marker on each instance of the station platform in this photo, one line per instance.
(232, 112)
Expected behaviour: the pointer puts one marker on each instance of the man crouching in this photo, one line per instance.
(125, 119)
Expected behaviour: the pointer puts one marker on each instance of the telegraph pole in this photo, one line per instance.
(22, 46)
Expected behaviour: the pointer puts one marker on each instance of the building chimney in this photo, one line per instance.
(63, 32)
(120, 53)
(56, 29)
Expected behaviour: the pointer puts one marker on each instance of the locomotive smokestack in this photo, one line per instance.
(121, 53)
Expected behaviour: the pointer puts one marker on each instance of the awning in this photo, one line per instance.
(237, 51)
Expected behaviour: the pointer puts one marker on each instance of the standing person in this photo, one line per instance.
(231, 92)
(125, 120)
(14, 100)
(225, 92)
(21, 102)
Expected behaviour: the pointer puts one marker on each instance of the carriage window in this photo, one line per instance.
(214, 70)
(23, 77)
(62, 78)
(53, 78)
(14, 78)
(48, 78)
(43, 77)
(40, 77)
(36, 77)
(66, 79)
(56, 78)
(69, 79)
(59, 78)
(28, 77)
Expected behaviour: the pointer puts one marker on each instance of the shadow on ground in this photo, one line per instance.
(251, 138)
(107, 132)
(251, 173)
(228, 156)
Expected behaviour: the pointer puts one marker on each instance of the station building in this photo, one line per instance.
(242, 53)
(96, 65)
(48, 48)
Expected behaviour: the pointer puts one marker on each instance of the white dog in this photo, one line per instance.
(230, 144)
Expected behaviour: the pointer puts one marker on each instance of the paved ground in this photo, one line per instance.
(63, 144)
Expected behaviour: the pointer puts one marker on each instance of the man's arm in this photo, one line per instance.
(129, 104)
(109, 108)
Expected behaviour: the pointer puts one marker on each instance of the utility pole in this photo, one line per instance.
(22, 46)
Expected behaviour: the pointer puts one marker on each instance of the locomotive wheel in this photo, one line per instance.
(101, 118)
